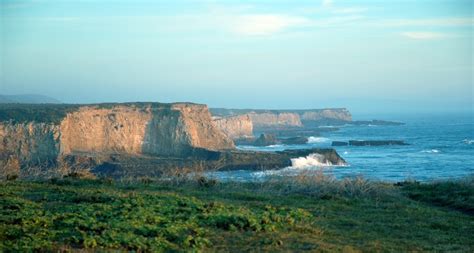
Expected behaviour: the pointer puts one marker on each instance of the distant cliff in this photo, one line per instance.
(26, 138)
(133, 139)
(341, 114)
(235, 127)
(275, 119)
(287, 118)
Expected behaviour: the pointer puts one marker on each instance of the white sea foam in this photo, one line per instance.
(468, 141)
(312, 160)
(345, 152)
(312, 140)
(297, 165)
(275, 146)
(431, 151)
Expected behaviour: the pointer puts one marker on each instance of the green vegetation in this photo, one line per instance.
(54, 113)
(44, 113)
(307, 214)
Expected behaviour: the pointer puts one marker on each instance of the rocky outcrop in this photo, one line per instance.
(30, 143)
(266, 139)
(339, 143)
(297, 140)
(377, 143)
(136, 129)
(341, 114)
(275, 119)
(368, 143)
(130, 139)
(157, 130)
(288, 118)
(139, 166)
(235, 127)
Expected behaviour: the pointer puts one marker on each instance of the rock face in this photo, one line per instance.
(235, 127)
(341, 114)
(30, 143)
(288, 118)
(152, 129)
(163, 130)
(266, 140)
(268, 119)
(130, 139)
(134, 166)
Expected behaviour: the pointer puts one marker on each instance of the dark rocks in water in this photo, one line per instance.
(339, 143)
(262, 141)
(141, 166)
(294, 140)
(376, 123)
(245, 141)
(266, 140)
(376, 143)
(270, 139)
(368, 143)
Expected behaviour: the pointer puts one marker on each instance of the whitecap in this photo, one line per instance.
(431, 151)
(312, 140)
(312, 160)
(275, 146)
(468, 141)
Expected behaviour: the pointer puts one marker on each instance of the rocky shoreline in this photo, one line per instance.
(130, 139)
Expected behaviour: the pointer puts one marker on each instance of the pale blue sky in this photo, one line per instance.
(369, 56)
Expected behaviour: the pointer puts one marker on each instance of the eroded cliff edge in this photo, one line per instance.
(287, 118)
(94, 137)
(137, 129)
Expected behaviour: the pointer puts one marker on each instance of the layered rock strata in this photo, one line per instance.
(235, 127)
(137, 129)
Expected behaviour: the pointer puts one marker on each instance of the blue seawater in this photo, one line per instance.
(440, 147)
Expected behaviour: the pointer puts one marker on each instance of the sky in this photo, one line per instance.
(367, 55)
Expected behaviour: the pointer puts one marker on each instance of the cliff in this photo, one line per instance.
(131, 139)
(288, 118)
(341, 114)
(275, 119)
(137, 129)
(235, 127)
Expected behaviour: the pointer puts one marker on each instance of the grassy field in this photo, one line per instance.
(309, 214)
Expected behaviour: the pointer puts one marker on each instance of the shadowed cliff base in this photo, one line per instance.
(126, 139)
(198, 160)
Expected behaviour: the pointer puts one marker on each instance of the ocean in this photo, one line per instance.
(440, 147)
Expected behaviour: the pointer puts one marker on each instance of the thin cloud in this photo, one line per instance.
(266, 24)
(327, 3)
(428, 22)
(352, 10)
(423, 35)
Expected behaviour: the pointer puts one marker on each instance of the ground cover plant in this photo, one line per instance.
(304, 214)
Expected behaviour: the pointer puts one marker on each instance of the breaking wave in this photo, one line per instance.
(313, 139)
(431, 151)
(468, 141)
(312, 160)
(275, 146)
